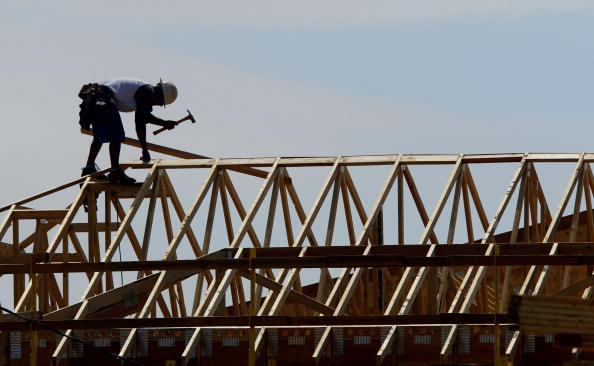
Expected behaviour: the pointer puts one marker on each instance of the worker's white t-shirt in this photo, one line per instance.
(124, 90)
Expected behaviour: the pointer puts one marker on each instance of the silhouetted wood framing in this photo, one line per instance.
(177, 266)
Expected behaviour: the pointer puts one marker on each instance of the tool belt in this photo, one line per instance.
(94, 102)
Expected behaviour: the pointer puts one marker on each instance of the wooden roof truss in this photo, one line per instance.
(353, 291)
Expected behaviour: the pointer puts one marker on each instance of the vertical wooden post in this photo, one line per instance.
(108, 275)
(348, 216)
(65, 275)
(18, 279)
(400, 198)
(146, 239)
(496, 351)
(252, 355)
(467, 209)
(574, 226)
(94, 251)
(33, 333)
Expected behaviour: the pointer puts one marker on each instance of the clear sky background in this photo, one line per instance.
(303, 78)
(270, 78)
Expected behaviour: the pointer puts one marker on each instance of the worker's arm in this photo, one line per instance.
(143, 115)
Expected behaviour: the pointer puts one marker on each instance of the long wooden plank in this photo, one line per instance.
(575, 287)
(245, 165)
(21, 264)
(412, 159)
(266, 321)
(180, 154)
(39, 214)
(123, 298)
(293, 295)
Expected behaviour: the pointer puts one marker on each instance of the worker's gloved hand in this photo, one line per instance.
(146, 157)
(169, 124)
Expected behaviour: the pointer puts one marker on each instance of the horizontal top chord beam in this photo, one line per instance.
(583, 257)
(268, 321)
(363, 160)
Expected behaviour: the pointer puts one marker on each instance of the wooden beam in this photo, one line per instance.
(264, 321)
(121, 301)
(418, 201)
(39, 214)
(180, 154)
(293, 295)
(574, 288)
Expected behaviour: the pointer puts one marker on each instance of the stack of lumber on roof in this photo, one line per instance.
(556, 315)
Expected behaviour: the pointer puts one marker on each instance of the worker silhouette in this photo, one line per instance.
(100, 109)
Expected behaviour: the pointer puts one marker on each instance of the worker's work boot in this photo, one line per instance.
(117, 176)
(90, 170)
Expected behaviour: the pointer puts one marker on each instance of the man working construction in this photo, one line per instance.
(100, 109)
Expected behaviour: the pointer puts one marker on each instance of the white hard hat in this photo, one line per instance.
(169, 92)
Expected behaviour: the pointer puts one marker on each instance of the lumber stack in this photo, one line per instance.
(555, 315)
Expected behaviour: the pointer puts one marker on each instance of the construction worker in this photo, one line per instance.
(100, 109)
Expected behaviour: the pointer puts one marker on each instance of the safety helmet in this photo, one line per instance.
(169, 92)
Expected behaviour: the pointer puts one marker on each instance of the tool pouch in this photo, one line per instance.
(94, 100)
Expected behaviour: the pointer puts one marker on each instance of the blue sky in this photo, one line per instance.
(537, 65)
(303, 78)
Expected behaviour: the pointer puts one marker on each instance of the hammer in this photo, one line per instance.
(188, 117)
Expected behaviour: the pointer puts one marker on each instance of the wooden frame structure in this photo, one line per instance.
(130, 218)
